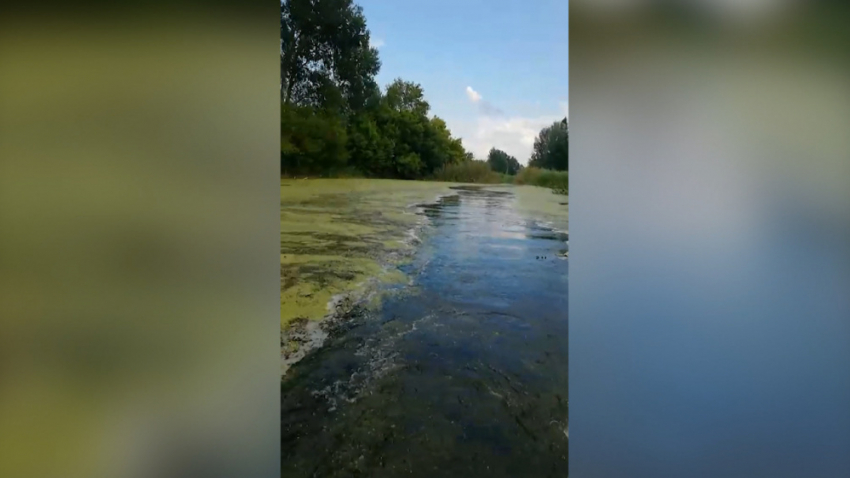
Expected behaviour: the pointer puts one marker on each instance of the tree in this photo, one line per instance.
(502, 162)
(552, 147)
(326, 60)
(407, 143)
(334, 116)
(311, 140)
(370, 148)
(406, 96)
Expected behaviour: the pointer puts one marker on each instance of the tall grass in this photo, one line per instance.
(558, 181)
(346, 172)
(480, 172)
(468, 172)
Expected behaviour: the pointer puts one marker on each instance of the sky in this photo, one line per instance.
(497, 71)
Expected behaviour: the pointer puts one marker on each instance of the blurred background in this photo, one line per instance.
(139, 238)
(710, 220)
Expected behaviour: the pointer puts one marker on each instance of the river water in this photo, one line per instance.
(462, 372)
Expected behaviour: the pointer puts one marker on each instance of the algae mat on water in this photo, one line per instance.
(342, 238)
(337, 234)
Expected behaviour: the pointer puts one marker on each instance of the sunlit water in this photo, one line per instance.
(461, 373)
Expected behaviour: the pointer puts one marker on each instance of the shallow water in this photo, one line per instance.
(461, 373)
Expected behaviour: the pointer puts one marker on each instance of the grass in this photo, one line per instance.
(558, 181)
(477, 172)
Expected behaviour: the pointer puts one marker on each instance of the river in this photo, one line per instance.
(461, 372)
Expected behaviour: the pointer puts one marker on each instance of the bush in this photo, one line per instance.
(312, 141)
(468, 172)
(558, 181)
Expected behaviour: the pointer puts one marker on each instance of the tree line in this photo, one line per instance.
(335, 119)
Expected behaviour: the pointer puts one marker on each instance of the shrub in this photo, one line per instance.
(468, 172)
(558, 181)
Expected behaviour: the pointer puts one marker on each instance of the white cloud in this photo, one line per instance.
(376, 42)
(484, 107)
(513, 135)
(493, 129)
(565, 108)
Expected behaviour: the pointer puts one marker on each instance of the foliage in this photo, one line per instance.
(502, 162)
(311, 140)
(326, 60)
(556, 180)
(395, 138)
(334, 117)
(404, 96)
(472, 171)
(552, 147)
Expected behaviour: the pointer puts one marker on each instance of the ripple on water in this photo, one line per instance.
(463, 375)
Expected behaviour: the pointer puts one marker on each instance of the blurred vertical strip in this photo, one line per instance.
(710, 254)
(139, 239)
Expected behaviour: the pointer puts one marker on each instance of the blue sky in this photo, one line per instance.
(496, 70)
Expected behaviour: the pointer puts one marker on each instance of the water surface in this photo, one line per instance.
(463, 372)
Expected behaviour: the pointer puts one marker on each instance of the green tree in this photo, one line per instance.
(406, 96)
(418, 145)
(502, 162)
(311, 141)
(326, 60)
(552, 147)
(409, 166)
(334, 116)
(369, 147)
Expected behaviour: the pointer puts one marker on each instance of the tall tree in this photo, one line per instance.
(552, 147)
(502, 162)
(326, 60)
(406, 96)
(311, 141)
(333, 115)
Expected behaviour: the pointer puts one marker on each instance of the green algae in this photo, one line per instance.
(542, 203)
(340, 235)
(342, 240)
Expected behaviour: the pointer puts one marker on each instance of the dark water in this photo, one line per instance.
(464, 373)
